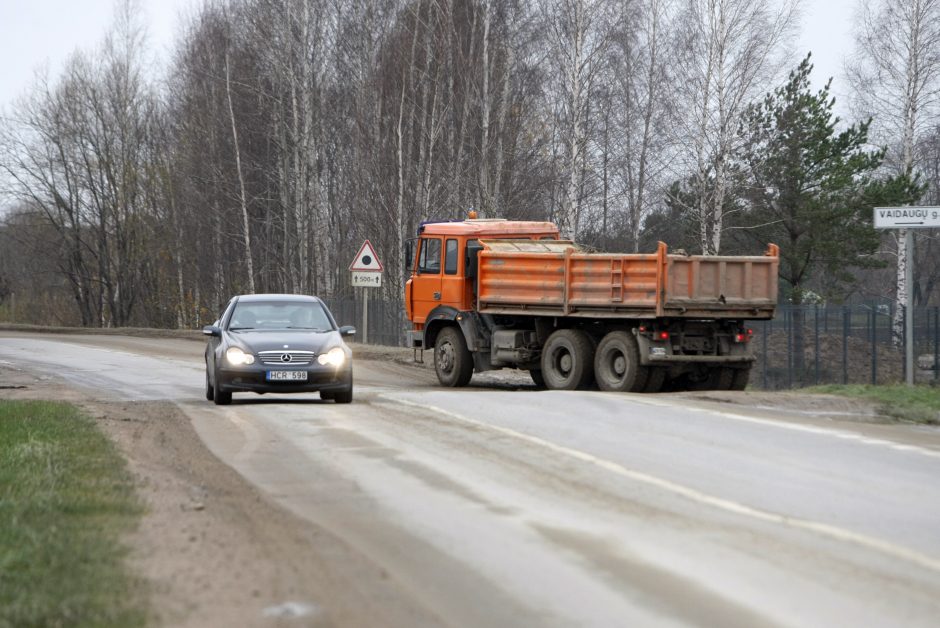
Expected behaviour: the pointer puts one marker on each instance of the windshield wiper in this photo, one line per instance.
(239, 328)
(317, 329)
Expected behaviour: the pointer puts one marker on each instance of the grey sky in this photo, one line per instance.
(34, 33)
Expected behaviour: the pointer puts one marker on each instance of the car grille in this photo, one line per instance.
(285, 358)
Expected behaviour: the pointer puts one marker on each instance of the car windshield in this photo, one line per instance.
(306, 315)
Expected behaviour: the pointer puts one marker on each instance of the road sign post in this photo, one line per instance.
(366, 273)
(906, 219)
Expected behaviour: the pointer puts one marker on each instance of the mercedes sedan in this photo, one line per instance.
(277, 343)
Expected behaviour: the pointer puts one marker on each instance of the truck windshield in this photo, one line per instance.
(429, 262)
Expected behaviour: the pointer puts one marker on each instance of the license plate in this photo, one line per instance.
(287, 376)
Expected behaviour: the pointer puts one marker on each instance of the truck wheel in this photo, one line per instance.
(537, 378)
(741, 376)
(452, 359)
(568, 360)
(617, 364)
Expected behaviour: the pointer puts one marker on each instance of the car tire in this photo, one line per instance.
(210, 391)
(221, 397)
(327, 395)
(343, 396)
(568, 360)
(452, 360)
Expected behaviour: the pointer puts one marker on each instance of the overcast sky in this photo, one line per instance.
(38, 33)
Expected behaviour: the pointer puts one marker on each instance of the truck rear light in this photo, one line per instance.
(744, 336)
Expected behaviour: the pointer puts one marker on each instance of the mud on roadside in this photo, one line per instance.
(211, 549)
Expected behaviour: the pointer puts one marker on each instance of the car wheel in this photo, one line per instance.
(327, 395)
(568, 360)
(452, 359)
(343, 396)
(221, 397)
(210, 392)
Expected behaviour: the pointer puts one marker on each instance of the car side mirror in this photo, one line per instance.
(212, 330)
(347, 330)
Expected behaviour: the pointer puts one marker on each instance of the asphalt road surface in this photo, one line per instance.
(499, 505)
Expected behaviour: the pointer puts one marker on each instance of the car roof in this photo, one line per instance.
(254, 298)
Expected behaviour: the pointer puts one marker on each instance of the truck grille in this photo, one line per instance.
(284, 358)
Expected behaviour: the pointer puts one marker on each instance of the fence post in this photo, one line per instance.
(816, 345)
(764, 351)
(936, 344)
(846, 321)
(789, 321)
(874, 347)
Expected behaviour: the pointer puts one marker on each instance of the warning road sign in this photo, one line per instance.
(366, 259)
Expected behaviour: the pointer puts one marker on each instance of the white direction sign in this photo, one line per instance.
(366, 279)
(366, 260)
(906, 217)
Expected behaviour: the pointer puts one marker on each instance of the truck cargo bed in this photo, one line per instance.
(555, 278)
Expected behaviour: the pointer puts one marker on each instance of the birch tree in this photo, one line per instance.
(579, 33)
(729, 52)
(895, 76)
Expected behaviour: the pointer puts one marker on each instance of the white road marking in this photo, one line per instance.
(809, 429)
(823, 529)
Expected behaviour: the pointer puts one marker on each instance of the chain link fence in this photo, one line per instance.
(803, 345)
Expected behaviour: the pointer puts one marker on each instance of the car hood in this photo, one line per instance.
(279, 340)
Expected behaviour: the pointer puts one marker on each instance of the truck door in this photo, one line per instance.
(426, 283)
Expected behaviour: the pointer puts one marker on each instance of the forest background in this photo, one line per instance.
(286, 132)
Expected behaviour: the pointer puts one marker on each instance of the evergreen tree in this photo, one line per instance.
(811, 188)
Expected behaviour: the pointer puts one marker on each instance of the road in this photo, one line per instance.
(497, 506)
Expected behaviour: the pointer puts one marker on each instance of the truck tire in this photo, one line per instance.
(740, 379)
(452, 360)
(568, 360)
(617, 365)
(537, 378)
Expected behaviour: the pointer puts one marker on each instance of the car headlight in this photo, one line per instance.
(334, 357)
(237, 357)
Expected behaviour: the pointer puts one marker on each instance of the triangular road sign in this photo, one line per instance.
(366, 259)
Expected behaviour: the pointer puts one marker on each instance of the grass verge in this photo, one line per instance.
(917, 404)
(66, 497)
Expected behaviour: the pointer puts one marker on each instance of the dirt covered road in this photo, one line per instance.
(212, 550)
(500, 505)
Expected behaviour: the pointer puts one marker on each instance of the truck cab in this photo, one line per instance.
(443, 279)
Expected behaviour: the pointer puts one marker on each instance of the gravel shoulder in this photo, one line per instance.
(212, 549)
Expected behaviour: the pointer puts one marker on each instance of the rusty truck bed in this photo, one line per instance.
(554, 278)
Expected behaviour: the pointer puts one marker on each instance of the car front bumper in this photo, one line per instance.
(254, 379)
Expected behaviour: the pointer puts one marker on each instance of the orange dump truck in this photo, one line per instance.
(489, 294)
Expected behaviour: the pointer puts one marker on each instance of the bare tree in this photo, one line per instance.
(895, 76)
(730, 51)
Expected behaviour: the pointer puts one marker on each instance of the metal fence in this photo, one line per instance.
(802, 346)
(387, 322)
(816, 344)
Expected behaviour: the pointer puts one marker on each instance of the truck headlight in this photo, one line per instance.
(237, 357)
(334, 357)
